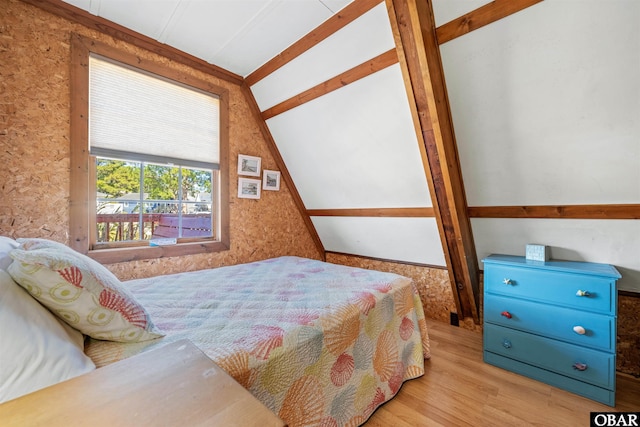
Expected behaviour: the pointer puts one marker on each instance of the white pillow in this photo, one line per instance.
(7, 244)
(37, 350)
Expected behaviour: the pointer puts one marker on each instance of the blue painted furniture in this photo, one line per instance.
(553, 321)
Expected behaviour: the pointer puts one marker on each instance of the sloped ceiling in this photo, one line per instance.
(237, 35)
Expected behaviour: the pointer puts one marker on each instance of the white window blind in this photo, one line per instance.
(139, 116)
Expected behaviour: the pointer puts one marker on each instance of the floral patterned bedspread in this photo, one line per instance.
(319, 344)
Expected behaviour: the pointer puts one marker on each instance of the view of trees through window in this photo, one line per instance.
(135, 200)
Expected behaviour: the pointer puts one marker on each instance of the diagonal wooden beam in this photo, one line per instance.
(344, 17)
(480, 17)
(356, 73)
(415, 33)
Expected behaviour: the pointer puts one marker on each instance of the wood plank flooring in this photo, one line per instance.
(459, 389)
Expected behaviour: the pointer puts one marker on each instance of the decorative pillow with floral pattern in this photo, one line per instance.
(80, 291)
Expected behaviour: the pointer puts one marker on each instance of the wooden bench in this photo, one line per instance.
(193, 225)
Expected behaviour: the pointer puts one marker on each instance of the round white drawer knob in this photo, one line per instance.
(579, 330)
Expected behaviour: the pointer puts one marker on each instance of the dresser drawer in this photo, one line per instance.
(552, 287)
(554, 322)
(599, 394)
(552, 355)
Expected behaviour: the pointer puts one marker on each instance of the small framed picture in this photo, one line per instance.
(249, 165)
(271, 180)
(248, 188)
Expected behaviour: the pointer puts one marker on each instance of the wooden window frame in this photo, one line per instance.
(82, 207)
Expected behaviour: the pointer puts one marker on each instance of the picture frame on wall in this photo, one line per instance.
(271, 180)
(249, 165)
(248, 188)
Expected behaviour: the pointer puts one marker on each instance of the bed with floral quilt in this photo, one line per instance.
(319, 344)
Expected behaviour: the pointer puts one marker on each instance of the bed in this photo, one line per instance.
(319, 344)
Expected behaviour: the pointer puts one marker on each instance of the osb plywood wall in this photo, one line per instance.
(628, 350)
(34, 150)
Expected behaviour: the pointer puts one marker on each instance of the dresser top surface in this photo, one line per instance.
(596, 269)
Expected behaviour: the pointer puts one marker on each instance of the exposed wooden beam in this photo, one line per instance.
(375, 212)
(413, 19)
(480, 17)
(356, 73)
(79, 232)
(338, 21)
(75, 14)
(558, 211)
(286, 177)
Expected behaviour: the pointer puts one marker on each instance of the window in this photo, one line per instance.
(139, 201)
(148, 149)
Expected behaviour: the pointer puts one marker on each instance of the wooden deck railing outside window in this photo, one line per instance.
(122, 227)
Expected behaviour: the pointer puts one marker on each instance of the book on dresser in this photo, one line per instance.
(554, 321)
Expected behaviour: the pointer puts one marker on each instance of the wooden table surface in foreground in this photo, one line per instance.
(175, 385)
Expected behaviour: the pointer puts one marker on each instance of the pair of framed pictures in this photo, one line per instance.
(249, 188)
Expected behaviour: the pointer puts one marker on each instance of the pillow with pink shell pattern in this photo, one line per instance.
(80, 291)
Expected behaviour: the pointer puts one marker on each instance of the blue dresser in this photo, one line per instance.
(553, 321)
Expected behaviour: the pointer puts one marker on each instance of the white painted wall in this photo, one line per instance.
(611, 242)
(354, 147)
(404, 239)
(448, 10)
(546, 110)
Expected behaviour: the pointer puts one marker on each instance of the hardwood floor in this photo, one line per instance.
(459, 389)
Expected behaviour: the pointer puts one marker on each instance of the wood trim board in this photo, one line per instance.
(375, 212)
(623, 211)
